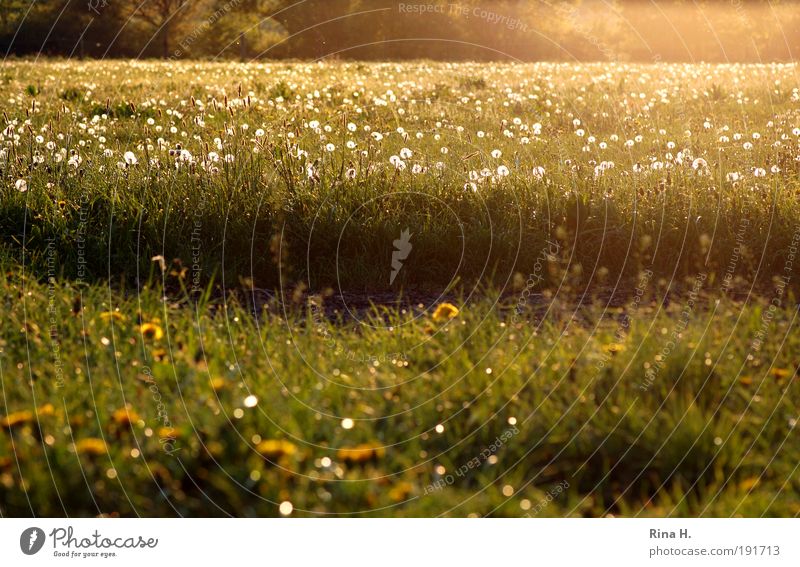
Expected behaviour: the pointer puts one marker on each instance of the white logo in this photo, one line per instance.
(31, 541)
(402, 249)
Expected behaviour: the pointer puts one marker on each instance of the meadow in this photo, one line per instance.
(412, 289)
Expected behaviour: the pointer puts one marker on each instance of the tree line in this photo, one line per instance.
(528, 30)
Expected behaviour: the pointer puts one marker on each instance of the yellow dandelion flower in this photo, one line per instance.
(217, 384)
(17, 418)
(445, 311)
(400, 491)
(362, 453)
(749, 483)
(125, 416)
(46, 410)
(276, 448)
(91, 446)
(151, 331)
(167, 433)
(613, 348)
(781, 373)
(159, 354)
(115, 316)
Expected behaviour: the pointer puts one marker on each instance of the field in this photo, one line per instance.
(391, 289)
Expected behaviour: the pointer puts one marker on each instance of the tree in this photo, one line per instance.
(165, 17)
(240, 29)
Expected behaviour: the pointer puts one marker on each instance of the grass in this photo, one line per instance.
(199, 317)
(140, 422)
(338, 212)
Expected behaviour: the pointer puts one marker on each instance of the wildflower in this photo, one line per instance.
(781, 373)
(167, 433)
(362, 453)
(400, 491)
(46, 410)
(614, 348)
(112, 316)
(16, 418)
(125, 416)
(398, 164)
(700, 166)
(21, 185)
(91, 446)
(160, 354)
(276, 448)
(151, 331)
(130, 159)
(445, 311)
